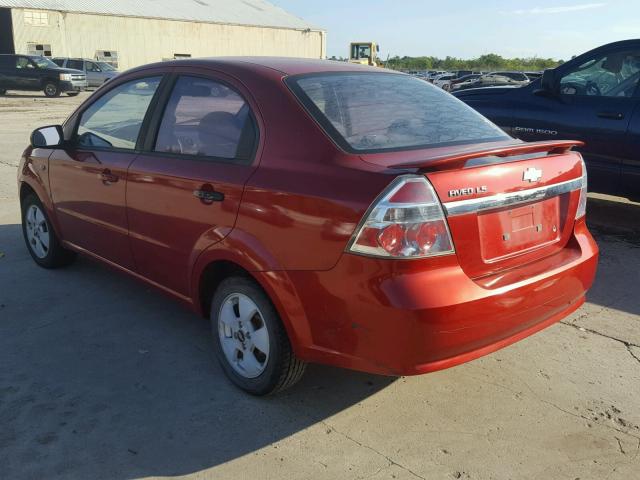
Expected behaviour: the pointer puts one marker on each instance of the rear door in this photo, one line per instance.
(595, 102)
(184, 191)
(88, 177)
(7, 67)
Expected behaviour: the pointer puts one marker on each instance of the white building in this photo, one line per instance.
(129, 33)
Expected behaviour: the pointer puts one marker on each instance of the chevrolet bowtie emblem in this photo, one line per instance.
(532, 175)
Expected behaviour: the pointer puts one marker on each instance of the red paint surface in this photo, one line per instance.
(287, 218)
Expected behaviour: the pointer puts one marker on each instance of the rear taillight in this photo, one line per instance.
(406, 221)
(582, 203)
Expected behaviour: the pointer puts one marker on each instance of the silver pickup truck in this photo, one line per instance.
(97, 72)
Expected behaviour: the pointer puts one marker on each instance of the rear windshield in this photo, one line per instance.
(370, 112)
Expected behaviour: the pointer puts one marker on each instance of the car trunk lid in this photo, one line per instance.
(506, 204)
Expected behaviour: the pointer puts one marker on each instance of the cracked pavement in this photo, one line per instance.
(102, 377)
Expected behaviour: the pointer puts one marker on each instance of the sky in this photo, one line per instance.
(470, 28)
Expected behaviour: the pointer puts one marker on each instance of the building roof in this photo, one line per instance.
(237, 12)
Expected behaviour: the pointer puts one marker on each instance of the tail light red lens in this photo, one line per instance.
(407, 221)
(582, 204)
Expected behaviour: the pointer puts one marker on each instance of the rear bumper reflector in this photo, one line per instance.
(462, 207)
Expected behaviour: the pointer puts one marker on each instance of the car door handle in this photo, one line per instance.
(611, 115)
(209, 196)
(107, 177)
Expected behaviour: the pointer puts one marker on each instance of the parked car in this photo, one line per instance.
(396, 234)
(593, 98)
(33, 73)
(533, 75)
(497, 79)
(462, 81)
(433, 75)
(462, 73)
(443, 81)
(97, 72)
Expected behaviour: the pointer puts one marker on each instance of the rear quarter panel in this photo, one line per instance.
(306, 198)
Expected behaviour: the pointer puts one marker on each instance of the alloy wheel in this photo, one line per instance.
(37, 229)
(244, 336)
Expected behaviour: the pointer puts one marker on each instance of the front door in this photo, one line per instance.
(88, 178)
(594, 104)
(95, 77)
(25, 75)
(184, 193)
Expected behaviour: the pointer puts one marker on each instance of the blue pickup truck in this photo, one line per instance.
(594, 97)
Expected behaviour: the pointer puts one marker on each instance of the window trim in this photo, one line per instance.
(336, 137)
(72, 142)
(155, 121)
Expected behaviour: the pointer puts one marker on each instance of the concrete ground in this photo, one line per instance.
(102, 377)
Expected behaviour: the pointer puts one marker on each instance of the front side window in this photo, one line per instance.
(203, 118)
(386, 111)
(114, 120)
(92, 67)
(609, 75)
(106, 67)
(42, 62)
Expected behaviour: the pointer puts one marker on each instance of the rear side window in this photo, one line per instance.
(206, 118)
(114, 120)
(23, 62)
(75, 64)
(370, 112)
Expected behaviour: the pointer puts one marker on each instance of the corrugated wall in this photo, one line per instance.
(140, 40)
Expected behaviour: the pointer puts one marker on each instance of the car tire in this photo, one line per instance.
(41, 240)
(51, 89)
(249, 339)
(73, 94)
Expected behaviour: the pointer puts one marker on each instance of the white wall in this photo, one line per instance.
(140, 40)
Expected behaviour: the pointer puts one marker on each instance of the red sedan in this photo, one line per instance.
(315, 211)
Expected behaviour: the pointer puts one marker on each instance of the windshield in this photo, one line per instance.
(368, 112)
(43, 62)
(106, 67)
(360, 51)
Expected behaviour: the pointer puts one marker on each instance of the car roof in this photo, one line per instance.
(74, 58)
(284, 65)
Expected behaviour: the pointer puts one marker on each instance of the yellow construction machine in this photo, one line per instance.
(365, 53)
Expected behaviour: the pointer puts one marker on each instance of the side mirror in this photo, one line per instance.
(547, 85)
(378, 48)
(548, 80)
(47, 137)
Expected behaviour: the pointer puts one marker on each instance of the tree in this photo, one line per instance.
(487, 62)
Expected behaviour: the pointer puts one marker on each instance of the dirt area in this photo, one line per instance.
(102, 377)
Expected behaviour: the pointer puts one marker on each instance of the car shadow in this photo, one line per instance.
(616, 227)
(31, 95)
(618, 219)
(103, 377)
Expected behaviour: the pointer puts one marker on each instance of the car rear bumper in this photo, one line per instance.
(413, 317)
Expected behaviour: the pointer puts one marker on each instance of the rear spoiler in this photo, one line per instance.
(460, 157)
